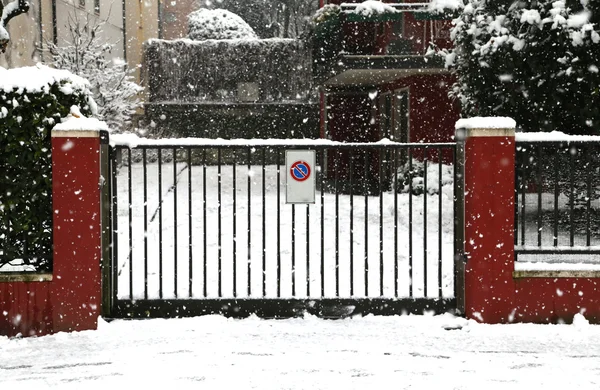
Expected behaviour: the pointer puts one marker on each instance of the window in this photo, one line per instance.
(96, 7)
(82, 3)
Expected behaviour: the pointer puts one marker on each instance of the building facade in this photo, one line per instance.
(127, 24)
(377, 80)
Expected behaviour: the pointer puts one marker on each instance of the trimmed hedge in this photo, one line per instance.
(32, 101)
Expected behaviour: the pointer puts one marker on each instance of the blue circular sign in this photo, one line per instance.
(300, 170)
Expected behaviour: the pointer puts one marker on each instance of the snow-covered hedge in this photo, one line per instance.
(32, 101)
(218, 24)
(536, 62)
(183, 70)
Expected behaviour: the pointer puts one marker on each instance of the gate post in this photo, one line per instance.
(77, 215)
(489, 188)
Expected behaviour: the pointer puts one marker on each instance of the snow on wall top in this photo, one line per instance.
(75, 121)
(555, 136)
(133, 140)
(218, 24)
(32, 79)
(229, 41)
(486, 123)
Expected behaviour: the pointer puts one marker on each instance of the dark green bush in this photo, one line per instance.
(32, 100)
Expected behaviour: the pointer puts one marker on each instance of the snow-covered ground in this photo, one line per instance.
(406, 352)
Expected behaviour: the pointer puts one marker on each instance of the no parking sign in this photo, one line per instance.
(300, 177)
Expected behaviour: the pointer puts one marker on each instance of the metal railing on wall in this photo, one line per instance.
(557, 201)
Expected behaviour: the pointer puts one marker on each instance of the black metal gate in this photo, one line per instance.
(199, 229)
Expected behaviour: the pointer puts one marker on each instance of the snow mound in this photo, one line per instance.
(218, 24)
(580, 321)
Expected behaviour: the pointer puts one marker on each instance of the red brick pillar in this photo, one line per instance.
(489, 185)
(76, 285)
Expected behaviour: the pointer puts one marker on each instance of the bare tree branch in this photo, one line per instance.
(7, 12)
(13, 9)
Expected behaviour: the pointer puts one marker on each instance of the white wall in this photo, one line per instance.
(111, 11)
(25, 35)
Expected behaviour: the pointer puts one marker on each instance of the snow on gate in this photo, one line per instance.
(212, 225)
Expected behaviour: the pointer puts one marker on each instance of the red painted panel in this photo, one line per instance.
(489, 219)
(550, 300)
(25, 309)
(76, 204)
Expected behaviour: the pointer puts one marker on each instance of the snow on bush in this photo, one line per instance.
(372, 7)
(536, 62)
(207, 24)
(32, 100)
(416, 172)
(327, 12)
(439, 6)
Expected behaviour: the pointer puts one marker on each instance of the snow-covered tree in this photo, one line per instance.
(85, 54)
(218, 24)
(7, 12)
(534, 61)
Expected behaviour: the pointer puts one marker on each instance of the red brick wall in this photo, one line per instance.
(72, 300)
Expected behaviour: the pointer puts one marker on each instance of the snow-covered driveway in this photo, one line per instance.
(408, 352)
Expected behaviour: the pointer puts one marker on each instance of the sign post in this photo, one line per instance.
(300, 177)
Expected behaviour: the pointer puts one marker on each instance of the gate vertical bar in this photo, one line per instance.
(351, 169)
(539, 193)
(190, 229)
(204, 245)
(106, 223)
(440, 184)
(115, 225)
(571, 197)
(129, 217)
(175, 222)
(337, 224)
(524, 183)
(278, 157)
(264, 225)
(395, 189)
(160, 230)
(323, 162)
(381, 223)
(366, 224)
(219, 227)
(588, 203)
(145, 173)
(293, 250)
(307, 250)
(234, 238)
(556, 195)
(425, 190)
(410, 224)
(249, 259)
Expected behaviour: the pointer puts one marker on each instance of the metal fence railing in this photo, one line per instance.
(557, 212)
(207, 222)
